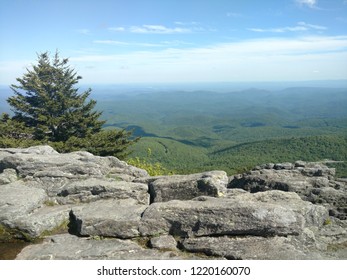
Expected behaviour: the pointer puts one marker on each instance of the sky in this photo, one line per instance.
(177, 41)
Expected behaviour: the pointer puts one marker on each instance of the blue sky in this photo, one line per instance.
(130, 41)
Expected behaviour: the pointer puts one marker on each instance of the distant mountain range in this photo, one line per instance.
(188, 129)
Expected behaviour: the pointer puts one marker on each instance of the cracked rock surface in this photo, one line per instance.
(107, 209)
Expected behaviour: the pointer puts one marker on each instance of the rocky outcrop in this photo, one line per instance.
(186, 187)
(263, 214)
(313, 182)
(107, 209)
(38, 181)
(44, 162)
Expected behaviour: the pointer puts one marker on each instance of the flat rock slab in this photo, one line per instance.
(19, 199)
(111, 218)
(93, 189)
(44, 161)
(248, 248)
(70, 247)
(261, 214)
(186, 187)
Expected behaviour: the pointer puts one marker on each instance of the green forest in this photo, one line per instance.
(194, 131)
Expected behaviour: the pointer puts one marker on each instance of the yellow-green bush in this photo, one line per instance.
(153, 169)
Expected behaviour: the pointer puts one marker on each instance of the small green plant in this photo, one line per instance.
(153, 169)
(62, 228)
(327, 222)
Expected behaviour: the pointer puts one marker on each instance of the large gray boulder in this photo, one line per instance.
(313, 182)
(42, 162)
(93, 189)
(186, 187)
(262, 214)
(111, 218)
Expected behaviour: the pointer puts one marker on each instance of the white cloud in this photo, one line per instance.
(117, 29)
(158, 29)
(180, 27)
(83, 31)
(187, 23)
(121, 43)
(300, 26)
(261, 59)
(309, 3)
(111, 42)
(312, 26)
(272, 59)
(279, 30)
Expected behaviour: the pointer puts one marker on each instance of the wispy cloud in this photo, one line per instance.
(309, 3)
(299, 58)
(258, 47)
(117, 29)
(279, 30)
(83, 31)
(179, 27)
(261, 59)
(300, 26)
(312, 26)
(151, 29)
(121, 43)
(110, 42)
(158, 29)
(191, 23)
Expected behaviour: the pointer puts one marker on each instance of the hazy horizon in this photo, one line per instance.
(210, 86)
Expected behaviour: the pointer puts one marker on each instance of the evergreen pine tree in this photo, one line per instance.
(48, 108)
(47, 100)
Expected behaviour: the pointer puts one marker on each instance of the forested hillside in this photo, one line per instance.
(191, 131)
(188, 131)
